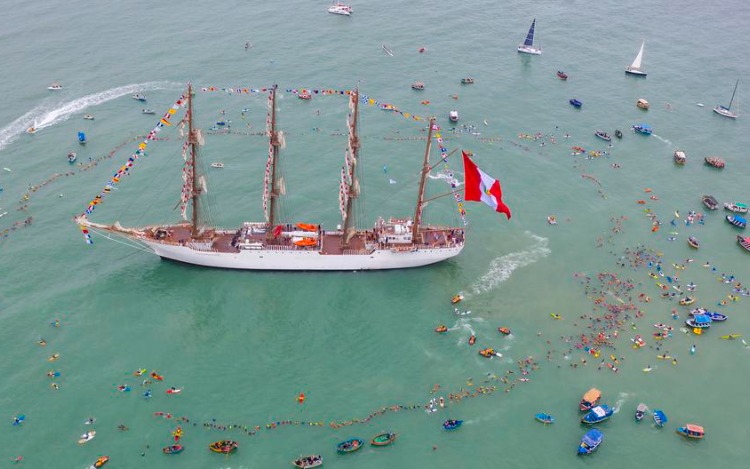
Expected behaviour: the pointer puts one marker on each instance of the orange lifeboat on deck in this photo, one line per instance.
(307, 227)
(306, 242)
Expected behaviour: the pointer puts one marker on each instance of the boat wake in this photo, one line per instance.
(48, 114)
(662, 139)
(621, 398)
(502, 267)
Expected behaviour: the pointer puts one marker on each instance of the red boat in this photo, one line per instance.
(562, 75)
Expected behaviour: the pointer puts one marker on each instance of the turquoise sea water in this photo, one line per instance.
(243, 345)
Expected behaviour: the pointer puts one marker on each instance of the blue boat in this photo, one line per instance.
(349, 446)
(590, 441)
(81, 138)
(699, 321)
(716, 316)
(644, 129)
(544, 418)
(452, 424)
(737, 221)
(597, 414)
(660, 418)
(575, 103)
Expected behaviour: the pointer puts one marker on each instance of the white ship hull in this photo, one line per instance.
(529, 50)
(266, 259)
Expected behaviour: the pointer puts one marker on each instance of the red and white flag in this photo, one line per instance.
(481, 187)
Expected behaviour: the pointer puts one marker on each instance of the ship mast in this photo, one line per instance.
(193, 140)
(273, 154)
(422, 181)
(352, 189)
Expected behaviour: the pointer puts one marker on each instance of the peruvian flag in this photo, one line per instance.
(480, 187)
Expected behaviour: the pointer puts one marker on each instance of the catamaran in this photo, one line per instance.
(727, 111)
(527, 47)
(635, 67)
(273, 244)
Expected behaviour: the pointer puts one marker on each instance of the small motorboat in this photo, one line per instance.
(88, 117)
(693, 242)
(174, 449)
(699, 321)
(453, 116)
(603, 135)
(349, 446)
(687, 301)
(562, 75)
(679, 157)
(691, 431)
(148, 111)
(304, 95)
(456, 299)
(72, 157)
(217, 165)
(340, 9)
(100, 462)
(642, 104)
(744, 241)
(472, 339)
(223, 446)
(590, 399)
(575, 103)
(640, 412)
(716, 317)
(467, 81)
(55, 87)
(417, 85)
(618, 133)
(307, 462)
(503, 330)
(644, 129)
(81, 138)
(552, 220)
(383, 439)
(139, 97)
(452, 424)
(489, 352)
(660, 418)
(86, 437)
(710, 202)
(597, 414)
(590, 441)
(441, 328)
(737, 221)
(715, 161)
(544, 418)
(735, 207)
(31, 130)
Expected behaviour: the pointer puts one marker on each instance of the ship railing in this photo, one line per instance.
(356, 252)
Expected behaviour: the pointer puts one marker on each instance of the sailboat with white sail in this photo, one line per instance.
(727, 111)
(273, 244)
(635, 67)
(527, 46)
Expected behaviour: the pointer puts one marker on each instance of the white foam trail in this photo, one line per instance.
(662, 139)
(620, 401)
(48, 114)
(502, 267)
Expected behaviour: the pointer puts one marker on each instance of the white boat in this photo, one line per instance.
(635, 67)
(139, 97)
(527, 47)
(55, 86)
(72, 157)
(679, 157)
(727, 111)
(340, 9)
(148, 111)
(273, 244)
(453, 115)
(217, 165)
(88, 117)
(642, 104)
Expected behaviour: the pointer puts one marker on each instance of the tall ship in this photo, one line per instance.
(275, 244)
